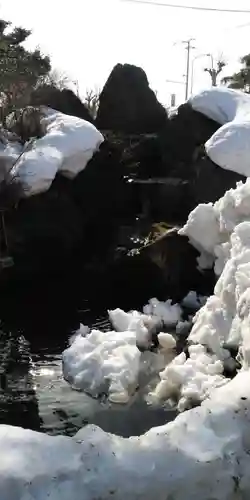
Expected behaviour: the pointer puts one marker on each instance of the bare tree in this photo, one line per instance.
(92, 101)
(214, 72)
(55, 78)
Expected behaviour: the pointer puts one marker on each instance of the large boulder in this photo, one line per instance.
(65, 101)
(186, 131)
(127, 104)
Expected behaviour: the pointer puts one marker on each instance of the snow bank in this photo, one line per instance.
(223, 320)
(204, 451)
(68, 145)
(223, 323)
(229, 146)
(219, 220)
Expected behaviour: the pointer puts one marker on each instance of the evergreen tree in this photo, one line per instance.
(240, 80)
(20, 69)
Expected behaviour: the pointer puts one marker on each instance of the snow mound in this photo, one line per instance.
(204, 451)
(68, 145)
(103, 362)
(191, 380)
(133, 321)
(224, 318)
(222, 325)
(155, 313)
(219, 219)
(229, 146)
(109, 362)
(221, 104)
(166, 312)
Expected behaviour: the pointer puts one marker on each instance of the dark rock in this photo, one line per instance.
(209, 182)
(165, 268)
(128, 105)
(64, 101)
(186, 131)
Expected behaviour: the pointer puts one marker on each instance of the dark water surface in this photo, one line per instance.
(34, 394)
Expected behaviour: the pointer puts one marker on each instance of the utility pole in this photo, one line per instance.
(189, 47)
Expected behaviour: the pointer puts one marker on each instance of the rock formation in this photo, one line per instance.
(128, 105)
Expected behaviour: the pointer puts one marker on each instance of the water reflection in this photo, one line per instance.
(34, 394)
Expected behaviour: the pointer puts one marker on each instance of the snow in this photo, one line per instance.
(166, 312)
(103, 362)
(204, 451)
(154, 314)
(133, 321)
(109, 362)
(221, 104)
(166, 341)
(190, 380)
(220, 219)
(68, 145)
(223, 322)
(224, 318)
(229, 146)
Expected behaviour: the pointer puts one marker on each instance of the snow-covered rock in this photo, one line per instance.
(9, 153)
(103, 362)
(221, 104)
(229, 146)
(67, 146)
(204, 451)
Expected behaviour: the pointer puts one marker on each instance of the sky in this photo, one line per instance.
(86, 38)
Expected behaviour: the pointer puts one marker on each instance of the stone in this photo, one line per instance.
(128, 105)
(65, 101)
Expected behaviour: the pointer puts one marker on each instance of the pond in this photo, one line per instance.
(34, 394)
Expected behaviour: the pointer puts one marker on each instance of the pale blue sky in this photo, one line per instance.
(86, 38)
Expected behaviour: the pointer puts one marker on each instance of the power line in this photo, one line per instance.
(188, 7)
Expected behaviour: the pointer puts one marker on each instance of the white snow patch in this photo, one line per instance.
(229, 146)
(223, 322)
(103, 362)
(204, 451)
(221, 104)
(166, 312)
(219, 220)
(68, 145)
(166, 341)
(190, 380)
(133, 321)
